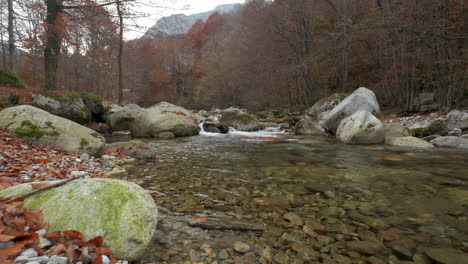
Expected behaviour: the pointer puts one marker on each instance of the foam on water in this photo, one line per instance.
(267, 132)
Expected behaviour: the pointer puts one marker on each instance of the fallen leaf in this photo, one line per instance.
(6, 238)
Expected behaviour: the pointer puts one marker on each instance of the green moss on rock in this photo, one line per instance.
(122, 212)
(438, 127)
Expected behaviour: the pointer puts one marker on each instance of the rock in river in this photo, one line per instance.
(361, 99)
(450, 142)
(361, 128)
(165, 117)
(239, 120)
(446, 256)
(122, 212)
(43, 128)
(413, 142)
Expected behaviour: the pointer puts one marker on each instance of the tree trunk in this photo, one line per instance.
(53, 43)
(11, 37)
(119, 57)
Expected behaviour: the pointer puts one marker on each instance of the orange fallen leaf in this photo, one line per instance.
(201, 219)
(208, 251)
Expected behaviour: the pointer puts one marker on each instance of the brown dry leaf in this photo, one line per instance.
(34, 219)
(54, 235)
(6, 238)
(58, 249)
(73, 234)
(97, 260)
(97, 241)
(27, 238)
(201, 219)
(40, 185)
(11, 251)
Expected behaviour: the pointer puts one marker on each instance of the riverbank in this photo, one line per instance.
(23, 237)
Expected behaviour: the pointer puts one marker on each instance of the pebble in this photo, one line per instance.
(78, 173)
(41, 259)
(364, 247)
(223, 254)
(241, 247)
(294, 219)
(30, 253)
(329, 194)
(84, 157)
(58, 260)
(21, 259)
(105, 259)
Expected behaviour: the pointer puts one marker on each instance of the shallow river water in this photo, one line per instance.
(279, 198)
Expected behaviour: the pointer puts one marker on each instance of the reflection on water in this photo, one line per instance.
(409, 189)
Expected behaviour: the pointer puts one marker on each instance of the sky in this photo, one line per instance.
(151, 12)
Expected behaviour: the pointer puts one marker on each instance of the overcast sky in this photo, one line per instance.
(169, 7)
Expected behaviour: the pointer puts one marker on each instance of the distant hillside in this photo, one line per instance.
(180, 23)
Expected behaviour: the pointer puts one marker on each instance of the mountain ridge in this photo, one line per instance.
(180, 23)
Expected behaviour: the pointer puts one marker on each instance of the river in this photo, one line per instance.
(302, 199)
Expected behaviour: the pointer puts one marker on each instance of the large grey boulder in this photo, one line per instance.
(68, 106)
(122, 118)
(41, 127)
(450, 142)
(239, 120)
(361, 128)
(122, 212)
(412, 142)
(309, 124)
(165, 117)
(361, 99)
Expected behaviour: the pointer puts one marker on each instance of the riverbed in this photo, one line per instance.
(273, 197)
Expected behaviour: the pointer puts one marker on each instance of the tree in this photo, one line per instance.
(11, 37)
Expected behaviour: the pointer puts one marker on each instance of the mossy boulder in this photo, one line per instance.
(41, 127)
(69, 106)
(10, 79)
(239, 120)
(361, 128)
(437, 127)
(95, 104)
(165, 117)
(122, 212)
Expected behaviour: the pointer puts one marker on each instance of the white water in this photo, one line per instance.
(267, 132)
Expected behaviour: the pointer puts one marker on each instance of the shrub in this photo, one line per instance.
(13, 99)
(10, 79)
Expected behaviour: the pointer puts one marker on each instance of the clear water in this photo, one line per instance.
(411, 189)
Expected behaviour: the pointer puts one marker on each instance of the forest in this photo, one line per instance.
(269, 54)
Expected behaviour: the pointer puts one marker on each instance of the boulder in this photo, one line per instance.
(309, 124)
(94, 103)
(68, 106)
(412, 142)
(361, 128)
(395, 131)
(239, 120)
(456, 132)
(111, 110)
(122, 212)
(213, 126)
(122, 118)
(361, 99)
(165, 117)
(41, 127)
(436, 127)
(450, 142)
